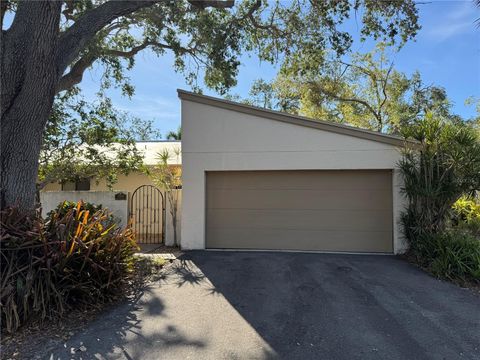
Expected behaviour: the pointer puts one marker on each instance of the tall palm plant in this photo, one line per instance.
(443, 166)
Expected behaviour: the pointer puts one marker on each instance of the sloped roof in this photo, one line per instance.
(292, 119)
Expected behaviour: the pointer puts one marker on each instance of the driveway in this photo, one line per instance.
(259, 305)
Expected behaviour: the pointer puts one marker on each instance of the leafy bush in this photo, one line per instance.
(74, 258)
(454, 255)
(64, 207)
(466, 215)
(437, 171)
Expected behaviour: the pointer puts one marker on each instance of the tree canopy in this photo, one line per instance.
(90, 140)
(364, 90)
(209, 36)
(50, 44)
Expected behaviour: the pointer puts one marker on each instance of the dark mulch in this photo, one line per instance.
(465, 284)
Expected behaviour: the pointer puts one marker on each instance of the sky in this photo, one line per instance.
(446, 52)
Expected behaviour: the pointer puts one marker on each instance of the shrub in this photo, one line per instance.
(66, 206)
(438, 170)
(442, 166)
(74, 258)
(455, 255)
(466, 215)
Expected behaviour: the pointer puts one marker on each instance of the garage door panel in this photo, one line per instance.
(300, 179)
(300, 210)
(295, 239)
(298, 199)
(361, 220)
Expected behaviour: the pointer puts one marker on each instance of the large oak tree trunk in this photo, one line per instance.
(34, 56)
(29, 77)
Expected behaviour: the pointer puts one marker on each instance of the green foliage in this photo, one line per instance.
(207, 40)
(143, 130)
(262, 94)
(72, 206)
(454, 255)
(366, 91)
(466, 215)
(87, 140)
(74, 259)
(440, 222)
(66, 206)
(443, 166)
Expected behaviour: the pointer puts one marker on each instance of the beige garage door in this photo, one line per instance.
(300, 210)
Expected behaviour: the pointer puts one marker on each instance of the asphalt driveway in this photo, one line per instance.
(255, 305)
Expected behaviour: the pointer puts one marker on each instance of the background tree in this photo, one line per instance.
(144, 130)
(50, 44)
(262, 94)
(88, 140)
(474, 120)
(365, 91)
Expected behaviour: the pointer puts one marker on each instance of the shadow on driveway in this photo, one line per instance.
(255, 305)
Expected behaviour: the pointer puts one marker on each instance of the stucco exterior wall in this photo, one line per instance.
(218, 139)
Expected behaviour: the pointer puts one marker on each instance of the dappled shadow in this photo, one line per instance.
(225, 305)
(183, 272)
(120, 333)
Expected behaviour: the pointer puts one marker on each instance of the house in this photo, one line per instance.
(130, 182)
(265, 180)
(134, 197)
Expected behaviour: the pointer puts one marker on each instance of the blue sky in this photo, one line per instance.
(446, 52)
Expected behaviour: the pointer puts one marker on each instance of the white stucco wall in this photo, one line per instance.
(218, 139)
(119, 208)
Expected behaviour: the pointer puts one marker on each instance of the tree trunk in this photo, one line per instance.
(29, 77)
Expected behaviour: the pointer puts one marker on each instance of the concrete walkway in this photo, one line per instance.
(254, 305)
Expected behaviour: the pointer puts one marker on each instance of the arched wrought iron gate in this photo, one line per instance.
(147, 214)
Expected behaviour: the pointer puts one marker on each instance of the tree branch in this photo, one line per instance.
(79, 34)
(258, 25)
(135, 50)
(75, 75)
(384, 87)
(348, 99)
(218, 4)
